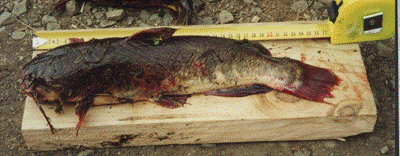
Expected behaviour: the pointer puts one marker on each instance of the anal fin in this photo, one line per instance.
(172, 101)
(241, 91)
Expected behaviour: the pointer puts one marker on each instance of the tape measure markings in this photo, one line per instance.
(257, 31)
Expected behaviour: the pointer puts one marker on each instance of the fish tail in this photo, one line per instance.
(317, 83)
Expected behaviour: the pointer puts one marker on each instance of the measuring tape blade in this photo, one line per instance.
(349, 21)
(256, 31)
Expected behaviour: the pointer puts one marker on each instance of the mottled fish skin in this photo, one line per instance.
(179, 65)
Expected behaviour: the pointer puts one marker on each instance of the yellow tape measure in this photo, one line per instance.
(349, 21)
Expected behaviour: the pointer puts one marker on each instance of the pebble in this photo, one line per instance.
(302, 152)
(330, 144)
(248, 1)
(53, 26)
(115, 15)
(48, 19)
(20, 8)
(299, 6)
(225, 17)
(144, 15)
(318, 5)
(141, 24)
(18, 35)
(256, 10)
(10, 6)
(167, 18)
(207, 145)
(87, 7)
(384, 50)
(325, 13)
(390, 83)
(6, 18)
(154, 17)
(89, 22)
(72, 7)
(384, 149)
(205, 21)
(201, 13)
(105, 24)
(255, 19)
(99, 14)
(37, 24)
(129, 20)
(307, 17)
(391, 143)
(88, 152)
(2, 29)
(326, 2)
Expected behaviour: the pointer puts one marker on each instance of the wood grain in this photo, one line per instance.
(209, 119)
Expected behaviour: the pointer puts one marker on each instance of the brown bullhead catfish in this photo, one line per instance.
(153, 65)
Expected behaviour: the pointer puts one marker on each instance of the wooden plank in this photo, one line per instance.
(210, 119)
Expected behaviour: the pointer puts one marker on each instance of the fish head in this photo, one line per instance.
(37, 81)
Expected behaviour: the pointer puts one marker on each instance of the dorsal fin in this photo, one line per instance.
(153, 36)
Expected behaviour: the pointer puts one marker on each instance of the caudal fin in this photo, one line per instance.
(318, 84)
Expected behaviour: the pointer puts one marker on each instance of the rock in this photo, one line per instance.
(256, 10)
(325, 13)
(391, 143)
(141, 24)
(390, 83)
(205, 21)
(129, 20)
(207, 145)
(48, 19)
(2, 29)
(330, 144)
(107, 23)
(72, 7)
(225, 17)
(302, 152)
(384, 50)
(307, 17)
(154, 17)
(318, 5)
(167, 18)
(37, 24)
(384, 149)
(115, 15)
(248, 1)
(201, 13)
(110, 8)
(87, 7)
(144, 15)
(89, 22)
(20, 8)
(255, 19)
(326, 2)
(10, 6)
(18, 35)
(53, 26)
(88, 152)
(99, 14)
(6, 18)
(299, 6)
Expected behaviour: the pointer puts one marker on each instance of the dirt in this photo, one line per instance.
(380, 64)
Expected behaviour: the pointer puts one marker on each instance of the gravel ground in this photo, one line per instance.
(20, 18)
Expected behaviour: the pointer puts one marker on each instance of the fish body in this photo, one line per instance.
(153, 65)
